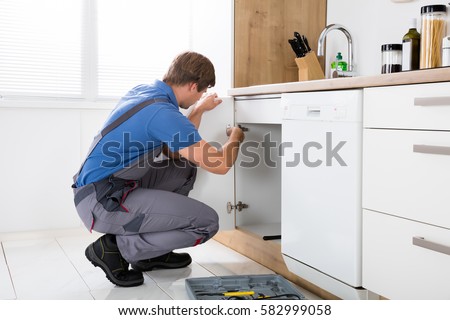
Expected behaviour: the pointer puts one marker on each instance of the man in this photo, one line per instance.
(134, 183)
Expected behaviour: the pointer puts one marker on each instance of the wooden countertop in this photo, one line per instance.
(392, 79)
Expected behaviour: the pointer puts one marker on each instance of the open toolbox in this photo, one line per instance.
(245, 287)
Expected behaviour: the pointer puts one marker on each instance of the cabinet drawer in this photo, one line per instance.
(258, 110)
(406, 173)
(396, 268)
(423, 106)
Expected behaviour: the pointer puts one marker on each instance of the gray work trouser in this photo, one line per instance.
(150, 216)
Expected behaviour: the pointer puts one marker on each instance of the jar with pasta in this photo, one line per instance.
(433, 31)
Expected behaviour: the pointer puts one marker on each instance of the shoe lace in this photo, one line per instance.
(123, 271)
(124, 263)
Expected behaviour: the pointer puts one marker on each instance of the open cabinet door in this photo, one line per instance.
(213, 189)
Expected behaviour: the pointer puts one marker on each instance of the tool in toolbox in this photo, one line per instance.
(243, 287)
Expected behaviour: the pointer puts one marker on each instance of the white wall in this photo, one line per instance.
(371, 24)
(213, 37)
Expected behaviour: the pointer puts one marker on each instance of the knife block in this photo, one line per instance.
(309, 67)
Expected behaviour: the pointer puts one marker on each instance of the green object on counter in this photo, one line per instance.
(339, 64)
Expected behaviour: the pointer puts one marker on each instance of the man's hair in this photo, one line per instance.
(191, 67)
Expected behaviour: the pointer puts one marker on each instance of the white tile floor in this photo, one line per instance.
(53, 266)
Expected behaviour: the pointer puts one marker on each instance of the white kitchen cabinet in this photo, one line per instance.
(419, 106)
(259, 109)
(397, 268)
(405, 178)
(406, 221)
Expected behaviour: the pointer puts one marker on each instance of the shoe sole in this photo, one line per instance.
(163, 265)
(97, 262)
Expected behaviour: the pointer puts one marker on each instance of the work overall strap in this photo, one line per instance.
(124, 117)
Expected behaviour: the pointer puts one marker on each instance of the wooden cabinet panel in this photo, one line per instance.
(262, 29)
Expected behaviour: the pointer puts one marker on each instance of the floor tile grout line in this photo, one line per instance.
(71, 262)
(9, 271)
(163, 282)
(162, 289)
(210, 271)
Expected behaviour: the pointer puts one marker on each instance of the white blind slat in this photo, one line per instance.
(41, 47)
(47, 47)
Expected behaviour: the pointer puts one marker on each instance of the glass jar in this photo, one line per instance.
(433, 31)
(391, 58)
(446, 51)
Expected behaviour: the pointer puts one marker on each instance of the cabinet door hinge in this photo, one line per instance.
(239, 206)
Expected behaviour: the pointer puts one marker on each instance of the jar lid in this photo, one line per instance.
(391, 47)
(433, 8)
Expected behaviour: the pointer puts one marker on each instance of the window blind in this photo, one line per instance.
(88, 49)
(40, 48)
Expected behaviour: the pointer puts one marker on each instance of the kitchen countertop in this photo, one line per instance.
(400, 78)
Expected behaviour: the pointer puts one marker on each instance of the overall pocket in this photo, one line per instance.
(112, 192)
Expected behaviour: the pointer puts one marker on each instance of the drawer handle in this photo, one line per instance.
(421, 242)
(423, 148)
(432, 101)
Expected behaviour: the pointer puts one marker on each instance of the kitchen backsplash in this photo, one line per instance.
(371, 24)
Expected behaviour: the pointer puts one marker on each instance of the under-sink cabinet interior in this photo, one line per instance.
(248, 197)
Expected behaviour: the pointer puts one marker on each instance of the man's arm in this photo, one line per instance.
(207, 103)
(212, 159)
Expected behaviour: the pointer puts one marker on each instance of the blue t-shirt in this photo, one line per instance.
(157, 124)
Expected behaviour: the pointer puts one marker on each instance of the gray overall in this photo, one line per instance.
(146, 204)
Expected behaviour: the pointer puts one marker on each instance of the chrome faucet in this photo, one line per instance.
(324, 33)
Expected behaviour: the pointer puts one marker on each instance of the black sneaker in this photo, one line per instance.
(105, 254)
(169, 260)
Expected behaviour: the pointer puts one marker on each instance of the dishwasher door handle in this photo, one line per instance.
(313, 111)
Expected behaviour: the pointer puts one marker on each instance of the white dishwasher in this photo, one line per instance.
(321, 189)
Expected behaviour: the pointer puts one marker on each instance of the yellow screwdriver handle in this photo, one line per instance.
(238, 293)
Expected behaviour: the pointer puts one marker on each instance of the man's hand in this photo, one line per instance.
(235, 133)
(208, 102)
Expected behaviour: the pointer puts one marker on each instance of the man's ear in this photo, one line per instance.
(193, 86)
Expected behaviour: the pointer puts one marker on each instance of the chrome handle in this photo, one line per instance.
(432, 101)
(423, 148)
(313, 111)
(421, 242)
